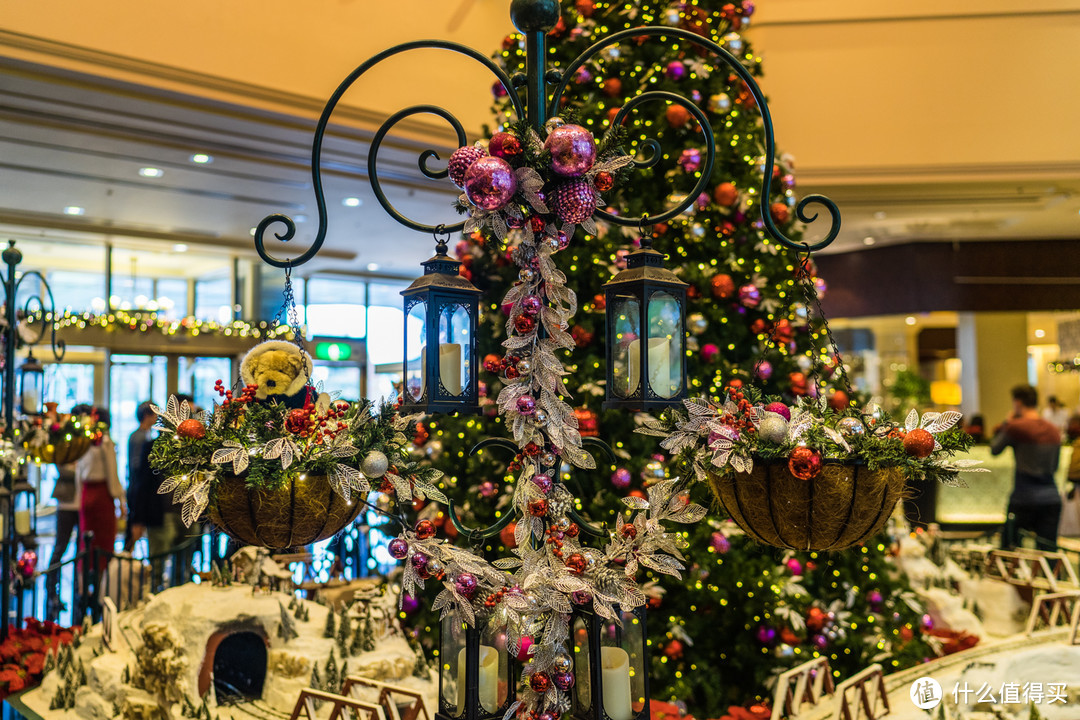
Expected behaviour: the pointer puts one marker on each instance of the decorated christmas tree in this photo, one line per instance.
(743, 611)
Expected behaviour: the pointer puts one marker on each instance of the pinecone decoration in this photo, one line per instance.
(573, 201)
(558, 506)
(460, 161)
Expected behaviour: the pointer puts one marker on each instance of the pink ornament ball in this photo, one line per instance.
(766, 635)
(675, 70)
(820, 286)
(573, 201)
(488, 489)
(710, 352)
(523, 648)
(563, 680)
(621, 478)
(780, 409)
(398, 549)
(505, 145)
(875, 598)
(466, 584)
(409, 604)
(543, 483)
(460, 162)
(531, 304)
(573, 150)
(749, 295)
(490, 183)
(720, 543)
(690, 160)
(794, 566)
(764, 370)
(526, 404)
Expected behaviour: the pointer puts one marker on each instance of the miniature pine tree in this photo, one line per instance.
(328, 632)
(316, 679)
(369, 634)
(292, 602)
(287, 628)
(344, 672)
(81, 674)
(76, 640)
(344, 629)
(420, 669)
(298, 610)
(125, 675)
(87, 623)
(54, 704)
(50, 662)
(307, 615)
(331, 672)
(357, 644)
(1035, 714)
(188, 709)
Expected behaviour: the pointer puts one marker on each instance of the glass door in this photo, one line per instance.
(198, 375)
(133, 379)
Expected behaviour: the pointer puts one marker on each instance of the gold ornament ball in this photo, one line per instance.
(850, 426)
(773, 428)
(697, 323)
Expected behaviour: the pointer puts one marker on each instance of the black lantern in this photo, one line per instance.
(646, 313)
(475, 670)
(31, 385)
(442, 311)
(24, 503)
(611, 678)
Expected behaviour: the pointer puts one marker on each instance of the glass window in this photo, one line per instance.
(133, 379)
(69, 384)
(344, 380)
(213, 299)
(171, 297)
(77, 291)
(198, 375)
(336, 308)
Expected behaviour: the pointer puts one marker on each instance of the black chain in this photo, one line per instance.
(810, 295)
(288, 310)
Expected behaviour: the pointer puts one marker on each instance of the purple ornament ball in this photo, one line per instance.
(409, 604)
(573, 150)
(526, 404)
(564, 240)
(497, 90)
(487, 489)
(675, 70)
(710, 352)
(927, 622)
(466, 584)
(581, 597)
(749, 295)
(490, 183)
(563, 680)
(764, 370)
(820, 642)
(621, 478)
(398, 548)
(543, 483)
(780, 409)
(690, 160)
(419, 561)
(720, 543)
(820, 286)
(460, 162)
(531, 304)
(748, 8)
(766, 635)
(875, 598)
(573, 201)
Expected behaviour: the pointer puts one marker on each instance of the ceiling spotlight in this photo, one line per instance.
(74, 210)
(179, 247)
(1040, 333)
(151, 172)
(372, 267)
(202, 159)
(910, 320)
(868, 240)
(352, 202)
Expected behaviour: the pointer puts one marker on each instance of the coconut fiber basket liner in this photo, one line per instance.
(299, 512)
(843, 506)
(67, 451)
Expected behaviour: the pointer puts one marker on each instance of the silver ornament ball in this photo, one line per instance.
(553, 123)
(654, 470)
(540, 417)
(383, 503)
(563, 662)
(671, 16)
(804, 363)
(733, 42)
(526, 275)
(773, 429)
(524, 367)
(375, 464)
(692, 344)
(697, 230)
(435, 567)
(547, 459)
(433, 449)
(850, 426)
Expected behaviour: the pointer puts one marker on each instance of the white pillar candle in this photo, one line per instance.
(29, 400)
(615, 672)
(449, 367)
(22, 522)
(659, 366)
(489, 679)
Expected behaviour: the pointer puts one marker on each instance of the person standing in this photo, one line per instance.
(99, 490)
(157, 513)
(1034, 503)
(137, 441)
(66, 494)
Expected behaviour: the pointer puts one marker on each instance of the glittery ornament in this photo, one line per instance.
(563, 680)
(547, 459)
(675, 70)
(804, 463)
(466, 584)
(525, 324)
(191, 429)
(543, 482)
(573, 201)
(780, 409)
(375, 464)
(698, 230)
(628, 531)
(573, 150)
(538, 508)
(719, 103)
(563, 238)
(749, 295)
(505, 145)
(526, 404)
(398, 549)
(764, 370)
(719, 542)
(425, 529)
(576, 564)
(696, 323)
(621, 478)
(540, 682)
(710, 352)
(815, 619)
(722, 286)
(490, 182)
(580, 597)
(460, 162)
(603, 181)
(850, 426)
(919, 443)
(820, 642)
(526, 275)
(773, 429)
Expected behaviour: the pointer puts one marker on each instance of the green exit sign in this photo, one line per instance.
(334, 351)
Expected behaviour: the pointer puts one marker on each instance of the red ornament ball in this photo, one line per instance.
(506, 535)
(780, 212)
(492, 363)
(726, 194)
(815, 619)
(677, 116)
(191, 428)
(603, 181)
(505, 145)
(525, 324)
(804, 463)
(838, 401)
(919, 443)
(425, 529)
(582, 337)
(722, 286)
(538, 508)
(576, 564)
(612, 87)
(585, 7)
(674, 650)
(540, 682)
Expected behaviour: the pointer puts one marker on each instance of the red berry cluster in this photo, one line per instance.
(741, 421)
(495, 598)
(247, 393)
(554, 539)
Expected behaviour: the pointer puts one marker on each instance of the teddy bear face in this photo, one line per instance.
(275, 373)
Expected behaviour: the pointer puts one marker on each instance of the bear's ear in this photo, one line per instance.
(249, 364)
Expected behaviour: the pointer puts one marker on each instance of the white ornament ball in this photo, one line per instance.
(697, 230)
(804, 363)
(653, 471)
(671, 16)
(850, 426)
(375, 464)
(773, 429)
(433, 449)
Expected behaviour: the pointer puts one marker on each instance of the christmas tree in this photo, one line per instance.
(748, 323)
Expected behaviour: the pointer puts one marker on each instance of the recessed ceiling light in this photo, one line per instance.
(74, 210)
(372, 267)
(910, 320)
(880, 215)
(202, 158)
(151, 172)
(1040, 333)
(352, 202)
(300, 218)
(179, 247)
(868, 240)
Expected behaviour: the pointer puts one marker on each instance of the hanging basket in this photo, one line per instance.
(297, 513)
(61, 451)
(843, 506)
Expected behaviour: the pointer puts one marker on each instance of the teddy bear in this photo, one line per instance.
(280, 369)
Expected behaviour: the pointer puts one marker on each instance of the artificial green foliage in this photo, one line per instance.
(703, 630)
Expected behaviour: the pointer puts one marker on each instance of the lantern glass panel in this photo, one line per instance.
(415, 348)
(494, 668)
(455, 347)
(582, 683)
(32, 387)
(615, 672)
(624, 312)
(633, 642)
(665, 344)
(452, 665)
